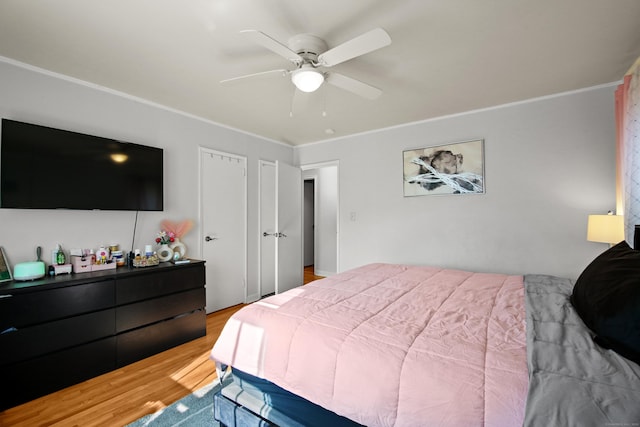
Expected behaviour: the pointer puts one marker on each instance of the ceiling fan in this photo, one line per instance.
(311, 55)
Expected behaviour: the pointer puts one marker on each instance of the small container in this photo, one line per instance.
(81, 264)
(118, 258)
(102, 253)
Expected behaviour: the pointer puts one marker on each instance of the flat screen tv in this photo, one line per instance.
(46, 168)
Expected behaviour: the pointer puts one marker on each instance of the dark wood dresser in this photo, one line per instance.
(59, 331)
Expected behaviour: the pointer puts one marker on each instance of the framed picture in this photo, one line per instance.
(456, 168)
(5, 269)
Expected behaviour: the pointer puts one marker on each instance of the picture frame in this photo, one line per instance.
(456, 168)
(5, 268)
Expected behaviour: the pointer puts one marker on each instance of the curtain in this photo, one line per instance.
(628, 147)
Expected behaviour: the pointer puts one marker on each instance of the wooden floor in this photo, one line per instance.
(309, 275)
(126, 394)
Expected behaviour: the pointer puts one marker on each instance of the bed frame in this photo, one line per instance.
(245, 400)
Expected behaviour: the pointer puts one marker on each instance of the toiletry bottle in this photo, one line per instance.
(60, 258)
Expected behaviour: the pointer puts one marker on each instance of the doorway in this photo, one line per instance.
(223, 219)
(308, 222)
(326, 232)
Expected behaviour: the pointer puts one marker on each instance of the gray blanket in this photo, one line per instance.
(573, 381)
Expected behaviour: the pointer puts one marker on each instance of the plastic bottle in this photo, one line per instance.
(60, 258)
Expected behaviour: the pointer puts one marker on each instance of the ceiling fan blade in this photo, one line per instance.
(273, 45)
(365, 43)
(353, 85)
(271, 73)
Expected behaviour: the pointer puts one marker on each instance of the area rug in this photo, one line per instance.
(194, 410)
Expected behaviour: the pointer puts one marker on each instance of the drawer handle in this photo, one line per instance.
(6, 296)
(6, 331)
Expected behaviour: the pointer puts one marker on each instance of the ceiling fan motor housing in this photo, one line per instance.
(308, 46)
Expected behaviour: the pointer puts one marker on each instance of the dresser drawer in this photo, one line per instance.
(146, 312)
(44, 305)
(43, 375)
(144, 342)
(159, 283)
(27, 343)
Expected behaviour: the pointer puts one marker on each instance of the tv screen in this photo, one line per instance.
(46, 168)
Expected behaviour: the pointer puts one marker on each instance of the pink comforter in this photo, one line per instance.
(392, 345)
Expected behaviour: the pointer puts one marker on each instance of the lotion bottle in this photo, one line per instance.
(60, 258)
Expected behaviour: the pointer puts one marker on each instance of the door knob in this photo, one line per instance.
(209, 238)
(276, 234)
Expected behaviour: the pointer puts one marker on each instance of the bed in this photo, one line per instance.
(399, 345)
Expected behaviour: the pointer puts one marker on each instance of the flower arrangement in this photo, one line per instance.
(164, 238)
(178, 229)
(170, 234)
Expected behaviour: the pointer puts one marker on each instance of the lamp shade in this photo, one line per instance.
(605, 228)
(307, 78)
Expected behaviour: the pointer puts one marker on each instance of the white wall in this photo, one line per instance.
(548, 164)
(327, 187)
(31, 96)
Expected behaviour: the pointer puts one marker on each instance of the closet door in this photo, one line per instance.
(224, 219)
(281, 227)
(267, 228)
(289, 268)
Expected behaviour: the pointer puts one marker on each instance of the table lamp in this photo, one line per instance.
(605, 228)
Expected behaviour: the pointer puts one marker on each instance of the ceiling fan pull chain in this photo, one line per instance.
(324, 101)
(293, 97)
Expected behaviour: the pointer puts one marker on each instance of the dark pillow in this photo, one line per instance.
(607, 298)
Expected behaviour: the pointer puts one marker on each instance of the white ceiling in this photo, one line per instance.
(446, 56)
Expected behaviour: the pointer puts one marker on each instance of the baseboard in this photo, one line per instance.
(252, 298)
(324, 273)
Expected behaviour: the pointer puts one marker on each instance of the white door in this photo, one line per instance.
(267, 228)
(289, 269)
(223, 218)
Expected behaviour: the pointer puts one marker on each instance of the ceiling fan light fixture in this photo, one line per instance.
(307, 78)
